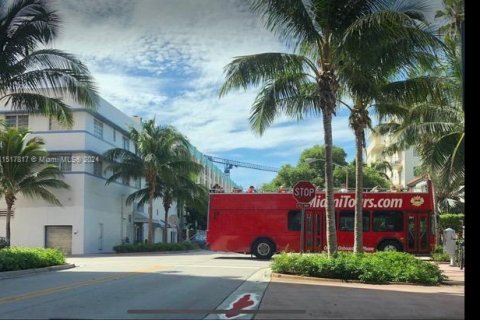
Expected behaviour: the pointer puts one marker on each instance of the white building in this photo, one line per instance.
(211, 174)
(404, 163)
(94, 216)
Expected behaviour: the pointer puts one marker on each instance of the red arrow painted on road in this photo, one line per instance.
(240, 304)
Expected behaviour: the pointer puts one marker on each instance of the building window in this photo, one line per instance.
(17, 121)
(294, 218)
(62, 161)
(98, 128)
(346, 221)
(125, 181)
(3, 212)
(141, 207)
(173, 237)
(97, 168)
(114, 135)
(126, 143)
(388, 221)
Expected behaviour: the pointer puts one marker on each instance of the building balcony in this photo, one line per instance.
(376, 144)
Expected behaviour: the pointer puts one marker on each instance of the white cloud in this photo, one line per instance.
(166, 59)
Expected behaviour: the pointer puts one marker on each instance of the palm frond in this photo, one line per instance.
(291, 20)
(39, 104)
(252, 70)
(139, 197)
(293, 95)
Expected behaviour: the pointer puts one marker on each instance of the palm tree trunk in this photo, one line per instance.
(150, 217)
(7, 224)
(10, 200)
(180, 224)
(165, 228)
(358, 225)
(330, 209)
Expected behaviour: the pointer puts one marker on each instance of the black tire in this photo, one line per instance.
(263, 248)
(390, 245)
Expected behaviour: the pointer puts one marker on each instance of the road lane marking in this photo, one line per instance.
(75, 285)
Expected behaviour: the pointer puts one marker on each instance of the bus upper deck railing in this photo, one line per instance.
(336, 190)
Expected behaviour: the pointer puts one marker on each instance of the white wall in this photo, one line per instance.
(104, 204)
(31, 217)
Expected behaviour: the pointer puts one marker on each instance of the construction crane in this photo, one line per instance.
(230, 164)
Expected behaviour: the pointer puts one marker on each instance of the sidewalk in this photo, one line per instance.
(454, 274)
(318, 299)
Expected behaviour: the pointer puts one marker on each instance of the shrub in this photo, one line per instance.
(451, 220)
(27, 258)
(156, 247)
(439, 255)
(378, 267)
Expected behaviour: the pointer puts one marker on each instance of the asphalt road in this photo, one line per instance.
(114, 286)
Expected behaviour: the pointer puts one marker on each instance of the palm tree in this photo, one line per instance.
(436, 127)
(298, 84)
(409, 44)
(161, 158)
(382, 167)
(22, 173)
(454, 12)
(329, 38)
(182, 189)
(36, 80)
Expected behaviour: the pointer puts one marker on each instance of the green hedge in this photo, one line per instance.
(378, 267)
(143, 247)
(451, 220)
(27, 258)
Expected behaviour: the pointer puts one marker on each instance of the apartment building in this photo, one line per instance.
(94, 216)
(404, 164)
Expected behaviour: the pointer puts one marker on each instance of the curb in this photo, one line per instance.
(315, 279)
(20, 273)
(295, 277)
(155, 252)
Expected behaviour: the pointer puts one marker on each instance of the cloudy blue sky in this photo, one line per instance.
(165, 59)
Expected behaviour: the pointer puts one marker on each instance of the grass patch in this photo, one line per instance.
(378, 267)
(156, 247)
(12, 259)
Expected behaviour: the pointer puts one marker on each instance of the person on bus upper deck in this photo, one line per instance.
(216, 188)
(251, 189)
(281, 189)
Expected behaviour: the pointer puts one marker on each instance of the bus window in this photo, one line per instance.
(346, 221)
(388, 221)
(294, 218)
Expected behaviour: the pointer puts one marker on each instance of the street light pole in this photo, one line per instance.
(346, 179)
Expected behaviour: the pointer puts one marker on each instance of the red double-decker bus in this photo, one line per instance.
(265, 223)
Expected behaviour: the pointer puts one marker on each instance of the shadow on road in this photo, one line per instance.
(111, 295)
(354, 301)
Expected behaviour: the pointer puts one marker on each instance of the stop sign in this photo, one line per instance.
(303, 191)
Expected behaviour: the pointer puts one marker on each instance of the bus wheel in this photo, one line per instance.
(390, 245)
(263, 248)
